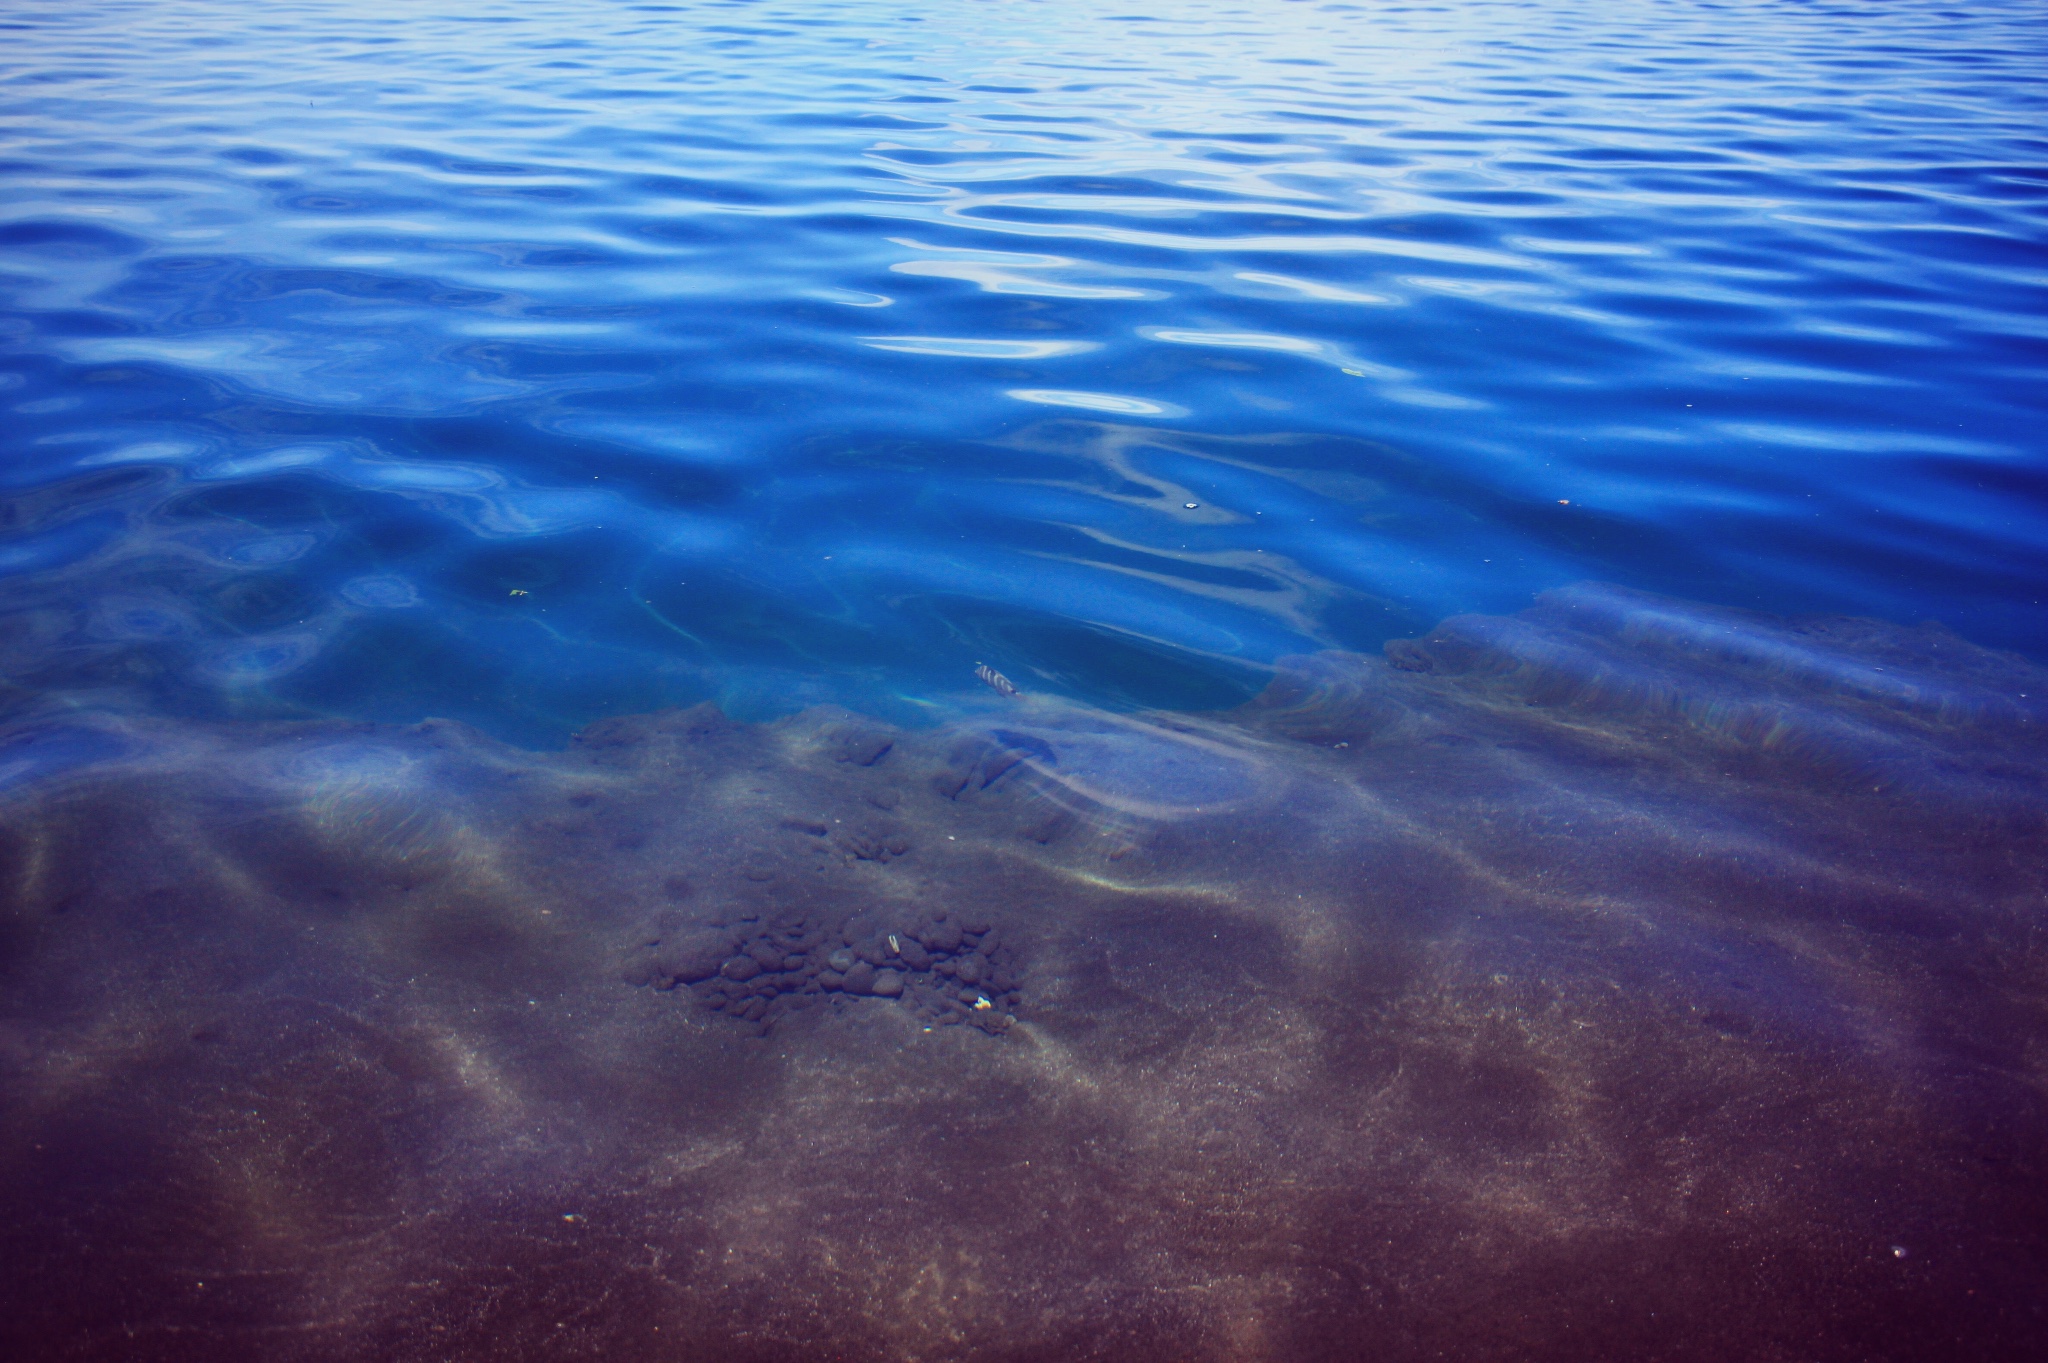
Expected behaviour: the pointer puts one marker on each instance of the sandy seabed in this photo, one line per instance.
(1623, 979)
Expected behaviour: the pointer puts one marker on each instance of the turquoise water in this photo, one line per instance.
(1023, 682)
(788, 353)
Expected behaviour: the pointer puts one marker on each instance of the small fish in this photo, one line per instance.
(995, 680)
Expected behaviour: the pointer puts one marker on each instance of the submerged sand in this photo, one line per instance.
(1620, 979)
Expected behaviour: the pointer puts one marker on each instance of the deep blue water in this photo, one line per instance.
(526, 362)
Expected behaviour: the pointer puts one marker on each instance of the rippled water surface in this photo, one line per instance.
(1023, 682)
(532, 361)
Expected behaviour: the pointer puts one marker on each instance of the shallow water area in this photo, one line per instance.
(1545, 949)
(1022, 681)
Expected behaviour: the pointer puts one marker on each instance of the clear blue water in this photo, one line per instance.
(1320, 953)
(527, 362)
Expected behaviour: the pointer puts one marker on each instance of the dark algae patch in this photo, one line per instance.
(1618, 979)
(757, 972)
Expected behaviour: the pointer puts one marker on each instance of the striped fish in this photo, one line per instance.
(994, 680)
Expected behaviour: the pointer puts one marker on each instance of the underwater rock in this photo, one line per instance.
(864, 746)
(941, 936)
(877, 960)
(678, 956)
(871, 844)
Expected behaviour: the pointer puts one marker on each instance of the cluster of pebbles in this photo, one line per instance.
(947, 970)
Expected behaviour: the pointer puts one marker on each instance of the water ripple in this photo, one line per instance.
(778, 351)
